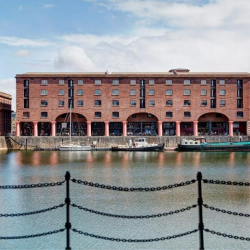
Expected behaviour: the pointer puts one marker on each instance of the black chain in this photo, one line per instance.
(235, 183)
(38, 185)
(147, 189)
(34, 212)
(31, 236)
(135, 240)
(226, 211)
(227, 235)
(137, 216)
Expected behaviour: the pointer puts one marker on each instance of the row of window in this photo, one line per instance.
(133, 82)
(169, 114)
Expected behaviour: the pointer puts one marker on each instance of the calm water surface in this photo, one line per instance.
(127, 169)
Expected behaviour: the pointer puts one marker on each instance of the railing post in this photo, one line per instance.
(67, 201)
(200, 203)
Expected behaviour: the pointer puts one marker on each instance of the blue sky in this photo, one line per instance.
(122, 35)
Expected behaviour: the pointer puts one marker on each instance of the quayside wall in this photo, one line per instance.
(30, 142)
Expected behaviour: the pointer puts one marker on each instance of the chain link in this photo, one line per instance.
(227, 235)
(135, 240)
(235, 183)
(34, 212)
(137, 216)
(38, 185)
(226, 211)
(126, 189)
(31, 236)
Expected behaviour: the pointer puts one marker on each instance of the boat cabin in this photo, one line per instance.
(139, 142)
(196, 141)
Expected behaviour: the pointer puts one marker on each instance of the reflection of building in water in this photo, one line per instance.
(53, 158)
(197, 159)
(231, 159)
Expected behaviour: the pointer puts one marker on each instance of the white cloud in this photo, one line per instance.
(73, 58)
(17, 41)
(22, 53)
(47, 6)
(8, 86)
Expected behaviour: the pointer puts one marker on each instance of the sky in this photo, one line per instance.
(122, 36)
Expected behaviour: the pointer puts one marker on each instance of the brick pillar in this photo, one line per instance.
(195, 124)
(88, 128)
(160, 128)
(230, 123)
(248, 128)
(53, 128)
(124, 128)
(106, 128)
(35, 129)
(17, 128)
(178, 128)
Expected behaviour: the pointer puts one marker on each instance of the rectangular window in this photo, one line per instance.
(212, 92)
(60, 103)
(133, 103)
(79, 103)
(98, 102)
(79, 92)
(44, 82)
(151, 92)
(97, 92)
(61, 82)
(187, 114)
(222, 92)
(79, 82)
(203, 92)
(70, 103)
(115, 102)
(26, 93)
(203, 82)
(98, 82)
(115, 114)
(203, 103)
(187, 102)
(26, 83)
(239, 83)
(240, 114)
(222, 103)
(115, 92)
(71, 93)
(132, 82)
(44, 103)
(239, 103)
(169, 92)
(26, 114)
(98, 114)
(213, 83)
(60, 92)
(169, 103)
(26, 103)
(151, 103)
(239, 92)
(169, 82)
(115, 82)
(212, 103)
(70, 83)
(222, 82)
(44, 92)
(186, 82)
(44, 114)
(187, 92)
(132, 92)
(151, 82)
(169, 114)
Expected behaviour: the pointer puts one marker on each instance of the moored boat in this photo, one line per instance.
(200, 144)
(139, 144)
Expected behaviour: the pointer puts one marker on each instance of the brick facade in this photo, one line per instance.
(178, 102)
(5, 113)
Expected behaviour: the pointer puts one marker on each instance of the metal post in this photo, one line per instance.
(67, 201)
(200, 203)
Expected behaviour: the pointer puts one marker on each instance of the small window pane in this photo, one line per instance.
(222, 82)
(60, 92)
(169, 92)
(44, 92)
(98, 92)
(98, 102)
(44, 103)
(115, 92)
(44, 82)
(151, 103)
(151, 82)
(203, 103)
(187, 114)
(26, 114)
(168, 82)
(98, 114)
(239, 114)
(187, 82)
(26, 83)
(133, 103)
(44, 114)
(203, 92)
(132, 82)
(98, 82)
(61, 82)
(169, 103)
(203, 82)
(132, 92)
(151, 92)
(115, 114)
(187, 92)
(222, 103)
(115, 103)
(169, 114)
(61, 103)
(79, 92)
(222, 92)
(187, 102)
(79, 82)
(79, 102)
(115, 82)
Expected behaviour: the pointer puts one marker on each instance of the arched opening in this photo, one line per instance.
(142, 124)
(213, 124)
(78, 124)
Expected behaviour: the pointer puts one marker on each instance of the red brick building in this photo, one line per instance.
(177, 102)
(5, 113)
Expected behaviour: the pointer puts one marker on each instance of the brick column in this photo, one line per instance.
(88, 128)
(106, 128)
(178, 128)
(195, 124)
(17, 128)
(35, 129)
(248, 128)
(53, 128)
(160, 128)
(230, 123)
(124, 128)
